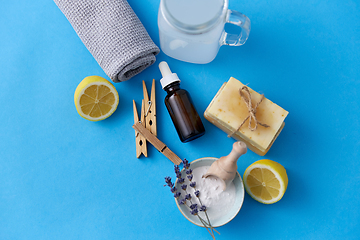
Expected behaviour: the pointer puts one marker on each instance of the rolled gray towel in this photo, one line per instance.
(113, 34)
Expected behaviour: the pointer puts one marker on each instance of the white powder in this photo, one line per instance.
(217, 201)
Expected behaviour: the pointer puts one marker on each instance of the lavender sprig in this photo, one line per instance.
(187, 199)
(197, 193)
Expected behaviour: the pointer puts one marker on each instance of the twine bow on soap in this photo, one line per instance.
(246, 96)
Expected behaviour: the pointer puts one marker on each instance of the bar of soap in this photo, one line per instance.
(228, 110)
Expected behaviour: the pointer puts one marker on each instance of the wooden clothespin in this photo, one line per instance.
(160, 146)
(150, 109)
(148, 119)
(141, 147)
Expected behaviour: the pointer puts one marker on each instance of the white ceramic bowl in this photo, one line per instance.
(227, 217)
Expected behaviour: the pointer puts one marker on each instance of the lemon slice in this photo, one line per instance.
(95, 98)
(266, 181)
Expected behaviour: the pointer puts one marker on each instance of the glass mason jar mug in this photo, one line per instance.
(193, 30)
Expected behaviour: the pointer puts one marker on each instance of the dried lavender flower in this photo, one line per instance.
(181, 180)
(194, 211)
(203, 208)
(190, 177)
(188, 197)
(168, 182)
(182, 201)
(192, 184)
(173, 189)
(177, 195)
(183, 187)
(197, 193)
(168, 179)
(178, 175)
(192, 206)
(189, 171)
(186, 164)
(176, 168)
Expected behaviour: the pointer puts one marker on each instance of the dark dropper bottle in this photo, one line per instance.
(180, 106)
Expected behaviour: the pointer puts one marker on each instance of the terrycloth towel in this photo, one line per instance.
(113, 34)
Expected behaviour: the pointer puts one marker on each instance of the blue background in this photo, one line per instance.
(63, 177)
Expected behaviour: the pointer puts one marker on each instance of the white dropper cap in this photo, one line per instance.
(167, 76)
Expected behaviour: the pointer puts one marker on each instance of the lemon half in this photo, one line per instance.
(95, 98)
(266, 181)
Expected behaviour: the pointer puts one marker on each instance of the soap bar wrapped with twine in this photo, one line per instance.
(113, 34)
(246, 116)
(246, 96)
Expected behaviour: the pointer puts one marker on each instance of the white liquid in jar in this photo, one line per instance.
(194, 12)
(200, 47)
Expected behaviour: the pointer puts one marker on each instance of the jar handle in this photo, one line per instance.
(238, 19)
